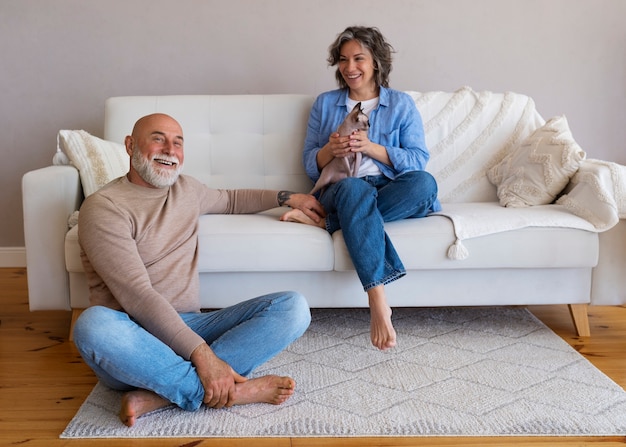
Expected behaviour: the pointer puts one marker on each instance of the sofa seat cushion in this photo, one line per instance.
(423, 245)
(246, 243)
(262, 243)
(73, 263)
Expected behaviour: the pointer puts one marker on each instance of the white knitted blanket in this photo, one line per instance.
(482, 218)
(594, 200)
(468, 132)
(597, 193)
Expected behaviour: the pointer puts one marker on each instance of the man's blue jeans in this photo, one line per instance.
(360, 206)
(125, 356)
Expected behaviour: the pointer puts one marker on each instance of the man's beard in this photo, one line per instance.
(159, 178)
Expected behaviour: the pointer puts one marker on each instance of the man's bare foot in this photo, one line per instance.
(382, 333)
(267, 389)
(298, 216)
(139, 402)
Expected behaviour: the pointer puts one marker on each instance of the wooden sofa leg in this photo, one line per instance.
(580, 318)
(75, 314)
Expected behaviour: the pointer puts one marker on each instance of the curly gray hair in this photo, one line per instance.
(370, 38)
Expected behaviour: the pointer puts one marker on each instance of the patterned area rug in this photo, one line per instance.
(456, 372)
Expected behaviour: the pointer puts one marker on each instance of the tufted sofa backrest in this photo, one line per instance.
(231, 141)
(256, 141)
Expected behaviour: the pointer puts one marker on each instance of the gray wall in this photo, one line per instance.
(59, 61)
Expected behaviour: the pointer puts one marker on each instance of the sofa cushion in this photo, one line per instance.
(261, 243)
(98, 161)
(73, 264)
(423, 245)
(539, 168)
(246, 243)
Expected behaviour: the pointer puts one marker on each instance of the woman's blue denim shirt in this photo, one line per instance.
(395, 123)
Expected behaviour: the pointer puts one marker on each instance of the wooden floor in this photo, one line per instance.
(43, 380)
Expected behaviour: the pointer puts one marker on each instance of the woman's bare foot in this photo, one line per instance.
(298, 216)
(139, 402)
(267, 389)
(382, 333)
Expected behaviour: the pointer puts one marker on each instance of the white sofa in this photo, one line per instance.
(476, 252)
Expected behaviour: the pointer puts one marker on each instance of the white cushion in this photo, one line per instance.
(98, 161)
(261, 243)
(597, 193)
(423, 244)
(537, 170)
(247, 243)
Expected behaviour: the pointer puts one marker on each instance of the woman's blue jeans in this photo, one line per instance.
(360, 206)
(125, 356)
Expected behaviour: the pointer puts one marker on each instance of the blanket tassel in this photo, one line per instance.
(457, 251)
(60, 159)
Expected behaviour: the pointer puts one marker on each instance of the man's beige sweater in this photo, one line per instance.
(139, 249)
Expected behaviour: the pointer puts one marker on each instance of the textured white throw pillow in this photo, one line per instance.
(537, 170)
(98, 161)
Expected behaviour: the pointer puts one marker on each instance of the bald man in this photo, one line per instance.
(144, 333)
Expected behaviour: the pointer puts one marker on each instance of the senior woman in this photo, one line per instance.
(391, 183)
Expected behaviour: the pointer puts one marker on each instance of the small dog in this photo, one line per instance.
(343, 167)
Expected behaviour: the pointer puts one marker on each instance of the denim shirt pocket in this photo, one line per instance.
(390, 139)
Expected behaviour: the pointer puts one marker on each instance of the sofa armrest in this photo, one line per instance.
(49, 196)
(608, 282)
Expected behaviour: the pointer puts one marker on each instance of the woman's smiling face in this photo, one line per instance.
(356, 65)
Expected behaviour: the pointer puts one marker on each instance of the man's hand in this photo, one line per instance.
(306, 203)
(217, 377)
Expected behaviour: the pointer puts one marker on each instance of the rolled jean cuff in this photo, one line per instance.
(386, 280)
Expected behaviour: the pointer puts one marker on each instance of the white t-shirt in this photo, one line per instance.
(368, 167)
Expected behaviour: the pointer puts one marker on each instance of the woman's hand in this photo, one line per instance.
(337, 147)
(358, 141)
